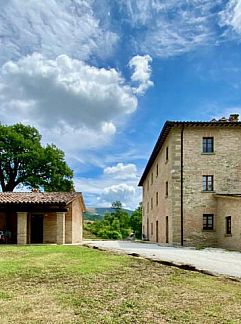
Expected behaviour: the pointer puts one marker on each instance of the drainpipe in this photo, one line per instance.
(182, 130)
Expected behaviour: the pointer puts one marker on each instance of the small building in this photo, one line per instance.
(41, 217)
(192, 184)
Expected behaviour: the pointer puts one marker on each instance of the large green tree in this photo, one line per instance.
(136, 221)
(24, 161)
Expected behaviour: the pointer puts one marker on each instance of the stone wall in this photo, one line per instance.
(228, 206)
(77, 221)
(225, 166)
(49, 228)
(68, 225)
(159, 211)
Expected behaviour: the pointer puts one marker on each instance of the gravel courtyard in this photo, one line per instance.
(215, 261)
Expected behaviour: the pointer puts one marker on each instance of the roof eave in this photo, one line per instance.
(167, 127)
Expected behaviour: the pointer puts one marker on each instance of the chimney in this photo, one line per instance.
(233, 118)
(223, 119)
(35, 190)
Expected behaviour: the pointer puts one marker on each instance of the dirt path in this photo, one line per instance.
(210, 260)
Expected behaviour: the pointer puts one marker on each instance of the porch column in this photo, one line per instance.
(60, 228)
(22, 228)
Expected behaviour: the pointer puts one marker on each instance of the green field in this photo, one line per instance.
(71, 284)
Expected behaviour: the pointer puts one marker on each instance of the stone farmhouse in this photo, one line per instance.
(41, 217)
(192, 184)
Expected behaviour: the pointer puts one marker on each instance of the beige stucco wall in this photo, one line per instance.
(77, 219)
(229, 207)
(224, 164)
(73, 222)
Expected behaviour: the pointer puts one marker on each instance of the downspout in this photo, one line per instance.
(182, 130)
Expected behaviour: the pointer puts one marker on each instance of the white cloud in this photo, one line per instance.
(66, 96)
(172, 27)
(122, 171)
(118, 182)
(122, 192)
(231, 16)
(52, 27)
(142, 72)
(108, 128)
(101, 192)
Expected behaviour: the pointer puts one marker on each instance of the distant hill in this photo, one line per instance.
(99, 212)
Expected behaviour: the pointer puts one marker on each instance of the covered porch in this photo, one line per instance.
(39, 217)
(33, 227)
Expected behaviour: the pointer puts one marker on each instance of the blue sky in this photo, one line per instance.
(98, 78)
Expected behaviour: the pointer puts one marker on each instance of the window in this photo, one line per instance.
(148, 185)
(207, 183)
(147, 208)
(167, 189)
(208, 145)
(166, 153)
(152, 178)
(151, 203)
(156, 198)
(151, 228)
(208, 222)
(228, 225)
(157, 170)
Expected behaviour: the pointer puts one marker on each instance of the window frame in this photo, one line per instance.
(208, 147)
(166, 190)
(167, 154)
(228, 224)
(206, 225)
(206, 183)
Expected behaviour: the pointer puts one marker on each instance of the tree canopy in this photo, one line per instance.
(136, 222)
(117, 224)
(24, 161)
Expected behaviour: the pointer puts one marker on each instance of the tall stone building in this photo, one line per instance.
(192, 184)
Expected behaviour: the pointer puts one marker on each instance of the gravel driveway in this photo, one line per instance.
(215, 261)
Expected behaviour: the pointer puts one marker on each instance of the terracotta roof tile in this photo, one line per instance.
(7, 198)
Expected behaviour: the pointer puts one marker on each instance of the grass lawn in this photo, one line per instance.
(71, 284)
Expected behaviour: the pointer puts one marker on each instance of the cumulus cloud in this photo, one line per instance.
(52, 27)
(122, 192)
(122, 171)
(64, 94)
(142, 72)
(108, 128)
(117, 182)
(101, 192)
